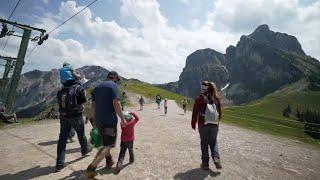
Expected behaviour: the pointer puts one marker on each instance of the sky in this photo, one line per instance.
(151, 39)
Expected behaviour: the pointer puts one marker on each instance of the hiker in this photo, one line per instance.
(165, 105)
(207, 112)
(71, 100)
(141, 102)
(158, 100)
(127, 138)
(105, 108)
(7, 118)
(123, 99)
(184, 105)
(69, 77)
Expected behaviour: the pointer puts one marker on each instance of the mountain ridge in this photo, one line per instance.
(262, 57)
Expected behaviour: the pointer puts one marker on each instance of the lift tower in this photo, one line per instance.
(9, 97)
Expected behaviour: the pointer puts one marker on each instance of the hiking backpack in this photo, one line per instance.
(211, 114)
(68, 102)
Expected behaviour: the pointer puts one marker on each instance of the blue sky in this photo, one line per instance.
(148, 39)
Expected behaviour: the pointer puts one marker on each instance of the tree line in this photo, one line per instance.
(310, 118)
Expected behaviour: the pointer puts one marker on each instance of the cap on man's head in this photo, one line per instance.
(65, 64)
(113, 75)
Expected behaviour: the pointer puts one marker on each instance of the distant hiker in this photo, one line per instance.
(7, 118)
(105, 108)
(165, 105)
(184, 105)
(207, 112)
(123, 99)
(141, 102)
(158, 100)
(127, 138)
(70, 100)
(68, 76)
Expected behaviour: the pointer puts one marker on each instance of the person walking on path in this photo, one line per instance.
(141, 102)
(158, 100)
(208, 130)
(105, 108)
(127, 138)
(165, 104)
(123, 99)
(70, 100)
(184, 105)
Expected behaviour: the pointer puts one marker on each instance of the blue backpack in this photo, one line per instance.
(68, 102)
(66, 74)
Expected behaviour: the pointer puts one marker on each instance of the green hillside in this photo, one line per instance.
(151, 91)
(265, 115)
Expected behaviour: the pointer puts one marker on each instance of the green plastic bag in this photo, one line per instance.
(95, 138)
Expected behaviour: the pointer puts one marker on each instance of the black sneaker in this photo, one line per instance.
(131, 160)
(109, 162)
(59, 167)
(89, 149)
(204, 166)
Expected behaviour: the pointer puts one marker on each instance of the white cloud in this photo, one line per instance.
(154, 51)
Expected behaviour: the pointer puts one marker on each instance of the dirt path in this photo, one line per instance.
(165, 148)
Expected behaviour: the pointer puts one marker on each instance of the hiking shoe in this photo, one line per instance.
(204, 166)
(88, 175)
(217, 162)
(89, 149)
(109, 162)
(118, 167)
(131, 160)
(59, 167)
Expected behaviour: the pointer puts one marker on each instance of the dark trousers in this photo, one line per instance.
(65, 128)
(123, 148)
(71, 133)
(208, 137)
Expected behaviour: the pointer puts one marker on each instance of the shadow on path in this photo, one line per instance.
(111, 170)
(197, 174)
(38, 171)
(74, 175)
(48, 143)
(31, 173)
(74, 150)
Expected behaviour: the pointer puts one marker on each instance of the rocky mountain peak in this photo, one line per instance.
(205, 57)
(278, 40)
(264, 28)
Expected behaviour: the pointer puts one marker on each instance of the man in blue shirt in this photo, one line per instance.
(105, 108)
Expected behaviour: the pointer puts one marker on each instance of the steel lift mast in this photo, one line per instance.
(9, 98)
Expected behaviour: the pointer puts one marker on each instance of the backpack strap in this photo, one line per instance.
(205, 104)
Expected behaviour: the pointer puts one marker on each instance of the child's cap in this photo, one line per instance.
(65, 64)
(127, 116)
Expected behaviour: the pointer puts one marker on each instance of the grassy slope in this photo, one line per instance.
(265, 115)
(151, 91)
